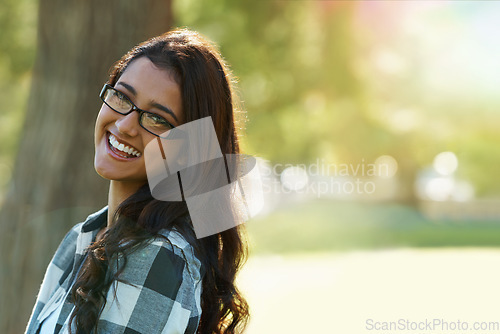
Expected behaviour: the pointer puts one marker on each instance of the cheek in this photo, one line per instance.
(103, 118)
(100, 124)
(148, 138)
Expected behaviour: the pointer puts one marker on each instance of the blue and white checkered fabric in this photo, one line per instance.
(161, 295)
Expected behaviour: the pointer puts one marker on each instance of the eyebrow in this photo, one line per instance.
(153, 104)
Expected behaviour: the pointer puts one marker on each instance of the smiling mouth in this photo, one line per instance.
(121, 149)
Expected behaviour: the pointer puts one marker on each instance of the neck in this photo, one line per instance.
(118, 192)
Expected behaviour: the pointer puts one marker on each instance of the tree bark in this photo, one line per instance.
(54, 185)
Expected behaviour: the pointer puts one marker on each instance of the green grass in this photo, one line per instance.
(324, 225)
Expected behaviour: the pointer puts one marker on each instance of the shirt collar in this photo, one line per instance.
(96, 220)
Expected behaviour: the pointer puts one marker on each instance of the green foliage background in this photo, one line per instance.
(307, 85)
(17, 53)
(311, 92)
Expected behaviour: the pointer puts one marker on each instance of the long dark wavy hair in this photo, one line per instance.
(206, 89)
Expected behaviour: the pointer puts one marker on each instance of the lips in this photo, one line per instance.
(120, 149)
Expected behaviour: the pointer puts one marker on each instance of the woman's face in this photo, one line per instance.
(150, 89)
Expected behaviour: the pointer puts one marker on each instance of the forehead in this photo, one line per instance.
(152, 84)
(144, 72)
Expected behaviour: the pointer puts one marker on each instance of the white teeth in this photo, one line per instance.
(122, 147)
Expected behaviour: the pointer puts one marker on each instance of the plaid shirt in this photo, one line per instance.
(163, 295)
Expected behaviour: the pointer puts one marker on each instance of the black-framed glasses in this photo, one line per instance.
(119, 102)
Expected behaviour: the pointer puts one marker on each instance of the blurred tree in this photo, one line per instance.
(53, 177)
(17, 51)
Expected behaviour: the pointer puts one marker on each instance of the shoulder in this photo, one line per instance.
(80, 235)
(167, 257)
(178, 245)
(70, 237)
(93, 222)
(158, 289)
(63, 261)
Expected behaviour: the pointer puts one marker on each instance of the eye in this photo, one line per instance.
(156, 121)
(120, 95)
(121, 99)
(118, 101)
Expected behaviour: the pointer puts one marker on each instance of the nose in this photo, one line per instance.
(128, 124)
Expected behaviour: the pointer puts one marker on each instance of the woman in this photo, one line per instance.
(136, 266)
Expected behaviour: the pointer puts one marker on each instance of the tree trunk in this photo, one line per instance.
(54, 185)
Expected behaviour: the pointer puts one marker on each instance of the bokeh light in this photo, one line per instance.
(294, 178)
(387, 166)
(445, 163)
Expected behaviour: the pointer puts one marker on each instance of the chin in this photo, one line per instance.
(112, 174)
